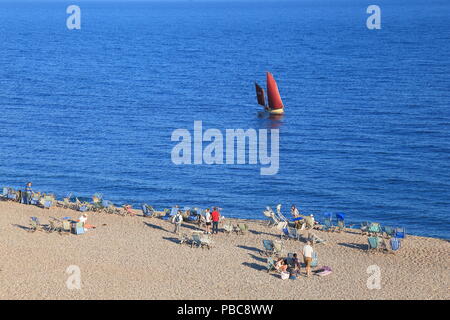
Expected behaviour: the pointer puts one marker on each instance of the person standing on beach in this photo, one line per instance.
(215, 216)
(208, 221)
(307, 257)
(177, 220)
(28, 193)
(294, 211)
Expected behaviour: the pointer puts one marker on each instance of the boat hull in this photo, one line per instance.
(275, 111)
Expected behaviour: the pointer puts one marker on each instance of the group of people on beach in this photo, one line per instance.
(211, 219)
(283, 265)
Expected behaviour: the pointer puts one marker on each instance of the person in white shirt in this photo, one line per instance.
(177, 220)
(208, 221)
(294, 211)
(83, 220)
(307, 257)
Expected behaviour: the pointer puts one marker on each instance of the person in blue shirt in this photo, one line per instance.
(28, 193)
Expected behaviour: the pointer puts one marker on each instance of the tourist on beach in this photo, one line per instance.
(177, 220)
(28, 193)
(294, 211)
(128, 209)
(307, 256)
(215, 216)
(83, 220)
(296, 264)
(208, 221)
(281, 265)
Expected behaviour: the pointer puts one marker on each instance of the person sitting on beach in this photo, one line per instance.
(307, 257)
(215, 217)
(83, 220)
(281, 265)
(294, 211)
(128, 209)
(296, 264)
(207, 221)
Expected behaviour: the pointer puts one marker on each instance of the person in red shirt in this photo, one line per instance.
(215, 217)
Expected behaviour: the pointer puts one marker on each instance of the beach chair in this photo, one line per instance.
(78, 228)
(400, 233)
(53, 226)
(315, 260)
(268, 248)
(228, 227)
(184, 238)
(147, 210)
(340, 221)
(364, 228)
(327, 222)
(278, 247)
(315, 239)
(242, 228)
(271, 265)
(35, 225)
(66, 225)
(388, 231)
(201, 240)
(374, 229)
(394, 245)
(4, 195)
(281, 217)
(273, 220)
(373, 244)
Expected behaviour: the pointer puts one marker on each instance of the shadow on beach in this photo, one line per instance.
(22, 227)
(155, 226)
(172, 239)
(255, 266)
(359, 246)
(249, 248)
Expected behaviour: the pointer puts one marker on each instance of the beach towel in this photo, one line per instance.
(324, 271)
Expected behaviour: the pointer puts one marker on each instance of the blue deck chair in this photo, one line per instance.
(395, 244)
(400, 233)
(364, 227)
(146, 210)
(315, 260)
(375, 229)
(389, 231)
(270, 264)
(4, 195)
(373, 243)
(268, 248)
(327, 221)
(340, 218)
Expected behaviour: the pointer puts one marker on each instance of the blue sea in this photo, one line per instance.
(366, 129)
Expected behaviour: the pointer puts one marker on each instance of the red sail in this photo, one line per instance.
(260, 95)
(272, 93)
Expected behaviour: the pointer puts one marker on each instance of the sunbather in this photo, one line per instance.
(296, 263)
(128, 209)
(83, 219)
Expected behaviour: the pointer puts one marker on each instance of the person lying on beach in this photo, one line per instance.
(281, 265)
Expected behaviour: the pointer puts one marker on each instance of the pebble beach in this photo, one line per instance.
(141, 258)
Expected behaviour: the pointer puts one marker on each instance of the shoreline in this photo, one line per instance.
(140, 258)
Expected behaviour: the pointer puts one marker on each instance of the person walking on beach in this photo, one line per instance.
(177, 220)
(215, 216)
(28, 193)
(307, 257)
(208, 221)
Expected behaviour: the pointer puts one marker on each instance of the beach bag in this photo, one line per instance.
(284, 275)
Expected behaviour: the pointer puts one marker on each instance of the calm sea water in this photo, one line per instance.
(367, 124)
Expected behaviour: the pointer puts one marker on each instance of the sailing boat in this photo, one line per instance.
(275, 105)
